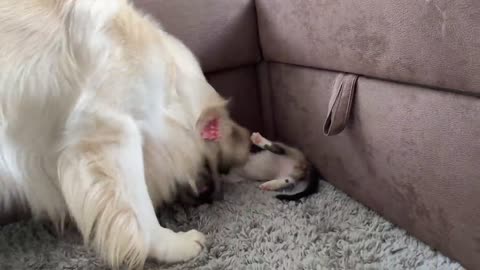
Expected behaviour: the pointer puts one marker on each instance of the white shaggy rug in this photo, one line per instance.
(252, 230)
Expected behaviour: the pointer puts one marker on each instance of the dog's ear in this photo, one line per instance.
(210, 122)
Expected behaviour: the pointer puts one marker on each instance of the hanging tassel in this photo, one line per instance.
(340, 104)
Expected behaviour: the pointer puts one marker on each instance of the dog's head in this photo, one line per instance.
(227, 145)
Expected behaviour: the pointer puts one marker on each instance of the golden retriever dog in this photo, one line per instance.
(103, 118)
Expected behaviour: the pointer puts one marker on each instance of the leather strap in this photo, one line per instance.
(340, 104)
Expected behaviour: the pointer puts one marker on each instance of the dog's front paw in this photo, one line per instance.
(189, 245)
(180, 247)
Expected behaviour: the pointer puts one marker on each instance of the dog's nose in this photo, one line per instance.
(206, 189)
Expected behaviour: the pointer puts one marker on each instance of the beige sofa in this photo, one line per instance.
(403, 123)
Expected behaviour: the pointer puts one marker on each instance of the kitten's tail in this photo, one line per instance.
(313, 182)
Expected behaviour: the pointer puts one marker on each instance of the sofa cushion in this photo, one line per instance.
(408, 152)
(433, 42)
(221, 33)
(241, 87)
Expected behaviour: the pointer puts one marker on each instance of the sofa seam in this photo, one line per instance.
(259, 38)
(429, 87)
(273, 120)
(232, 68)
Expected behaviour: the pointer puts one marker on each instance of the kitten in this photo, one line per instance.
(281, 166)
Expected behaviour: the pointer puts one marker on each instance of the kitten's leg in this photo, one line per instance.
(277, 184)
(101, 174)
(259, 140)
(235, 176)
(264, 143)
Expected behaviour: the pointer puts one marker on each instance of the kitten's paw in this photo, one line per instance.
(181, 247)
(266, 187)
(276, 184)
(256, 138)
(262, 187)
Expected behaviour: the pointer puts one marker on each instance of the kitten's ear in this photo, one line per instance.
(210, 122)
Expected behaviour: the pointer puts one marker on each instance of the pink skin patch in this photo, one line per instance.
(211, 131)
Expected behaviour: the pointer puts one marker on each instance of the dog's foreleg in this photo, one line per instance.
(101, 174)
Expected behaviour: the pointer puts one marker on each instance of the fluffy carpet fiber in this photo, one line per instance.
(251, 230)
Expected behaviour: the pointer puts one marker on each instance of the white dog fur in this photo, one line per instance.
(99, 114)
